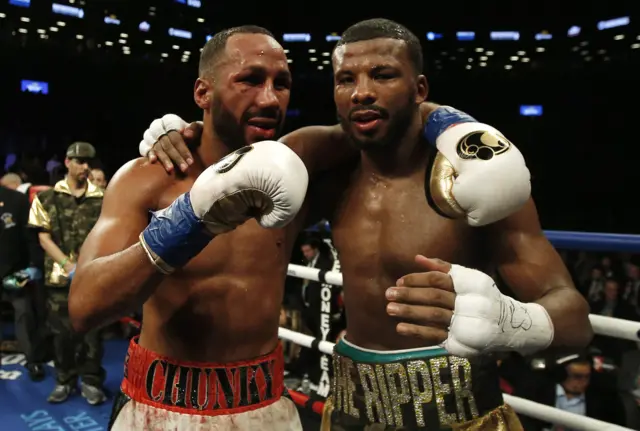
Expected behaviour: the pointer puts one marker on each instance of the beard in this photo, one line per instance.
(397, 126)
(231, 131)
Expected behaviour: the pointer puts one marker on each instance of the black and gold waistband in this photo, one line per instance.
(414, 389)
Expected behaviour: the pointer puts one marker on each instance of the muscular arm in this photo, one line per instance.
(114, 275)
(533, 269)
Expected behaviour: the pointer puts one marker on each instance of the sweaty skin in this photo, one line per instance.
(381, 219)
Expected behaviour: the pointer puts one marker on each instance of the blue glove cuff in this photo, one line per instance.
(175, 234)
(441, 119)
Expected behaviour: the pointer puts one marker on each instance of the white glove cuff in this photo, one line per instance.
(527, 327)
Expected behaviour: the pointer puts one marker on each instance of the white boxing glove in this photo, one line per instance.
(479, 175)
(484, 320)
(265, 180)
(158, 128)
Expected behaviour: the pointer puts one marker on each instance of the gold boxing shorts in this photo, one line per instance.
(416, 389)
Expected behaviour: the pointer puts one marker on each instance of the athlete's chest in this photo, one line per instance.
(388, 222)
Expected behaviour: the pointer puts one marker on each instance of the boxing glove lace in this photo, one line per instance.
(266, 181)
(478, 174)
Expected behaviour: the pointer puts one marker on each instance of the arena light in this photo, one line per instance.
(24, 19)
(111, 20)
(468, 67)
(574, 31)
(313, 59)
(326, 54)
(618, 37)
(483, 64)
(521, 53)
(42, 31)
(296, 37)
(504, 35)
(531, 110)
(182, 34)
(434, 36)
(489, 52)
(325, 62)
(312, 51)
(289, 60)
(36, 87)
(79, 36)
(484, 58)
(543, 35)
(540, 49)
(108, 43)
(612, 23)
(200, 20)
(208, 38)
(479, 49)
(320, 67)
(62, 9)
(124, 35)
(466, 35)
(148, 42)
(21, 3)
(635, 46)
(2, 15)
(514, 58)
(54, 29)
(191, 3)
(525, 60)
(508, 66)
(22, 30)
(144, 26)
(332, 38)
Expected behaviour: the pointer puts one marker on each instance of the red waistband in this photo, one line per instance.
(202, 388)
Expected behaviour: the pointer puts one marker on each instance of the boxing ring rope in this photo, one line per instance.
(602, 325)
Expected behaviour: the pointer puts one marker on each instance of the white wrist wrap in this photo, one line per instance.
(484, 320)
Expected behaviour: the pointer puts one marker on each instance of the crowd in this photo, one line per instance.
(602, 382)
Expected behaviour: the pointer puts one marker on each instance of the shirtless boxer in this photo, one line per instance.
(384, 374)
(208, 355)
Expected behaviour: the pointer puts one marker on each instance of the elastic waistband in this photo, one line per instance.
(202, 388)
(360, 354)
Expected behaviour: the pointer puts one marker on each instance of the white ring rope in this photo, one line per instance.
(602, 325)
(520, 405)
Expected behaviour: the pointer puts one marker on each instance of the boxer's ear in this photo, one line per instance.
(422, 89)
(202, 93)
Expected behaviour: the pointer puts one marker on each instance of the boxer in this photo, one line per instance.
(396, 367)
(197, 251)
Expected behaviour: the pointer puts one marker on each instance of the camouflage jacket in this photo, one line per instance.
(68, 219)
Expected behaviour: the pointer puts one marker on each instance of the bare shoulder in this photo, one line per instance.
(311, 135)
(140, 181)
(320, 147)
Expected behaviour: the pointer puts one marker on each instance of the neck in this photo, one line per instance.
(211, 148)
(397, 158)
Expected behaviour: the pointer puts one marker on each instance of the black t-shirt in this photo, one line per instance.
(17, 241)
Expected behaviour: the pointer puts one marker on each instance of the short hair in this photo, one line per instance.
(10, 178)
(383, 28)
(214, 48)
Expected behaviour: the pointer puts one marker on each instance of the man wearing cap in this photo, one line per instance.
(64, 215)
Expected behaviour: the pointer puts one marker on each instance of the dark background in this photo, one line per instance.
(582, 152)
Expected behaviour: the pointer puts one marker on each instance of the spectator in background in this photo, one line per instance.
(98, 178)
(631, 293)
(11, 181)
(65, 215)
(19, 271)
(593, 289)
(607, 267)
(612, 305)
(570, 386)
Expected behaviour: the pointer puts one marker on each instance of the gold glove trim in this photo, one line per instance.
(440, 184)
(155, 260)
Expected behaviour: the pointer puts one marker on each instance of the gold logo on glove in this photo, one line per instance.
(483, 145)
(230, 160)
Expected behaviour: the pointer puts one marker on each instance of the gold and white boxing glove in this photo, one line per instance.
(478, 175)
